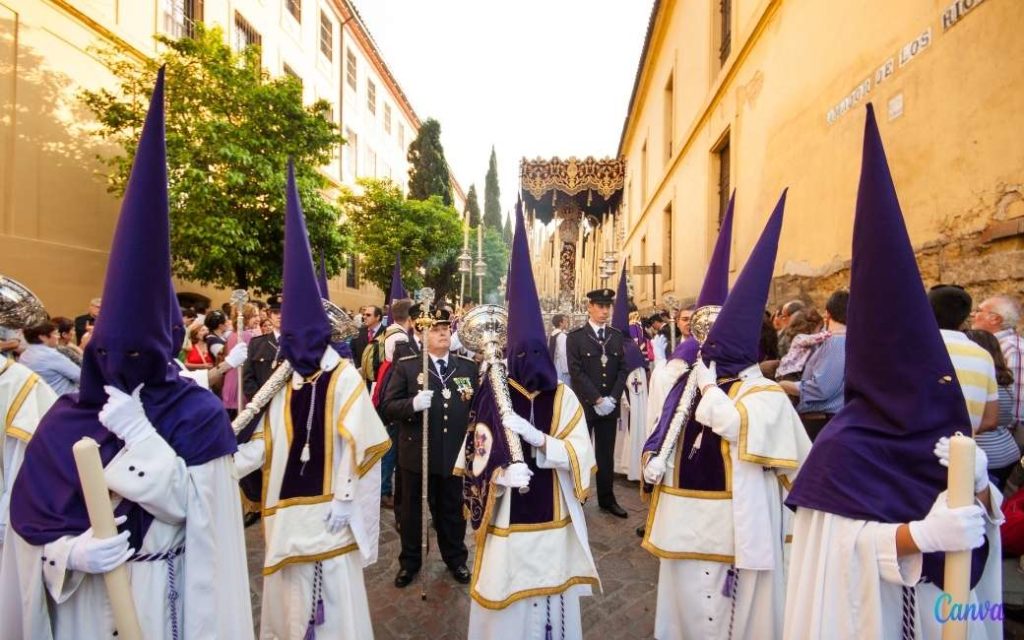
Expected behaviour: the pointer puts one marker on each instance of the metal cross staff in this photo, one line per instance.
(425, 297)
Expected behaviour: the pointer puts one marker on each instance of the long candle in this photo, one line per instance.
(101, 517)
(960, 493)
(465, 236)
(480, 241)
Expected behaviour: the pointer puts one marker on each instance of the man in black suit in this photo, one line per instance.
(372, 326)
(264, 355)
(452, 383)
(598, 377)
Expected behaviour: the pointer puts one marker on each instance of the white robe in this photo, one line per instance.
(846, 582)
(296, 536)
(535, 553)
(24, 400)
(632, 429)
(193, 507)
(742, 529)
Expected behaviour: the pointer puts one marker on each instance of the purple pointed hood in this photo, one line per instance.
(733, 340)
(133, 340)
(397, 289)
(620, 320)
(874, 460)
(131, 345)
(321, 277)
(529, 361)
(716, 280)
(305, 329)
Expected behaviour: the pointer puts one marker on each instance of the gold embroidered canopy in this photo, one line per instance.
(593, 186)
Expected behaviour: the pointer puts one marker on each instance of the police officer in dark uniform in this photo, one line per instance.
(452, 384)
(598, 377)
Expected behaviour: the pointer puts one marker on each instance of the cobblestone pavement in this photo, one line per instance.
(624, 610)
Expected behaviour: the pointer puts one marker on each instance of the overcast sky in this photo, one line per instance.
(531, 77)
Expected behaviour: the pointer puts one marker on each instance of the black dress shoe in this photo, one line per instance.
(615, 510)
(640, 531)
(251, 519)
(404, 577)
(461, 574)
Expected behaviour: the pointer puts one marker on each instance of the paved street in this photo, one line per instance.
(624, 610)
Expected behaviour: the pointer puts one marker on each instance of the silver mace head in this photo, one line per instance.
(702, 321)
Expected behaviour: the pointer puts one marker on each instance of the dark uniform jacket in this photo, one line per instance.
(590, 380)
(447, 424)
(263, 351)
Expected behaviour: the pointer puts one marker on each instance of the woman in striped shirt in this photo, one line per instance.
(998, 442)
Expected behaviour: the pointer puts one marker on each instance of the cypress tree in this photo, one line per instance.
(492, 195)
(472, 207)
(428, 170)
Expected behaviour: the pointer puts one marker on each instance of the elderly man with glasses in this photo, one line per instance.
(1000, 315)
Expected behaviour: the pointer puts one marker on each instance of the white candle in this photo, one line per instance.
(960, 493)
(101, 517)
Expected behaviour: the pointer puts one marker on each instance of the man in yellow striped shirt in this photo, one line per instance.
(974, 367)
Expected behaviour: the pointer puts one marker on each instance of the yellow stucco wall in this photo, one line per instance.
(56, 217)
(956, 152)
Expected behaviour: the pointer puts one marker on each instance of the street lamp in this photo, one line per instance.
(465, 269)
(481, 271)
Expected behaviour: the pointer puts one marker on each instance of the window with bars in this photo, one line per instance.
(181, 16)
(387, 118)
(288, 71)
(666, 243)
(350, 69)
(351, 152)
(295, 8)
(723, 179)
(371, 97)
(246, 35)
(668, 117)
(725, 30)
(326, 36)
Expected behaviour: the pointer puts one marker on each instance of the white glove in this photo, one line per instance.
(237, 355)
(941, 452)
(654, 471)
(946, 529)
(421, 400)
(526, 431)
(339, 515)
(124, 416)
(660, 345)
(706, 374)
(603, 407)
(515, 475)
(92, 555)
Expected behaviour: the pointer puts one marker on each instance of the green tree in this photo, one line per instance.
(496, 256)
(506, 234)
(428, 170)
(230, 131)
(472, 207)
(492, 195)
(383, 222)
